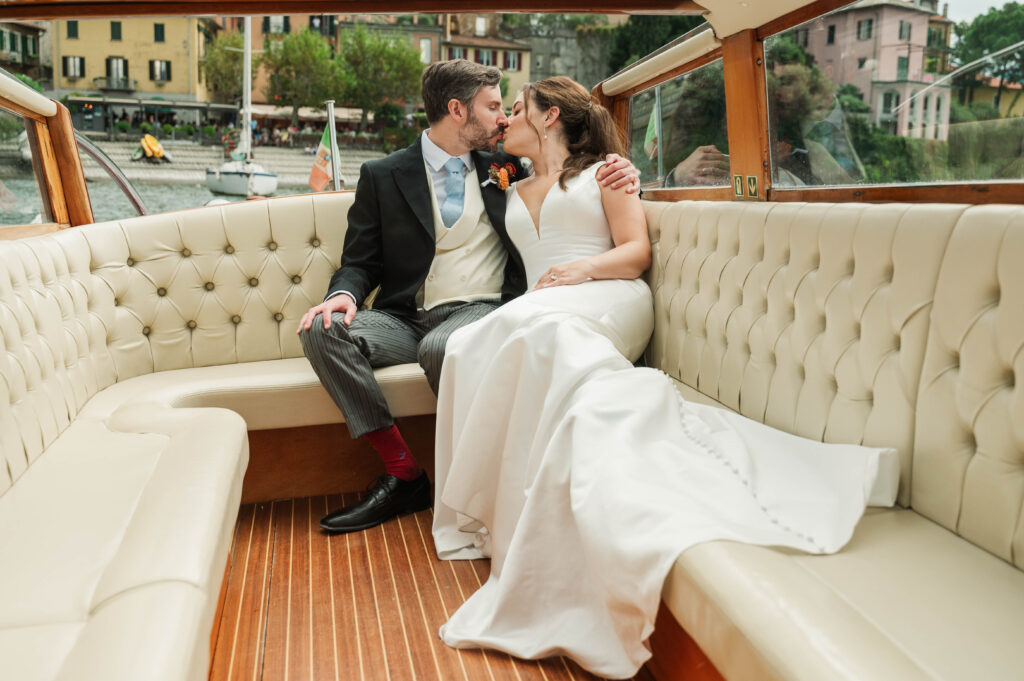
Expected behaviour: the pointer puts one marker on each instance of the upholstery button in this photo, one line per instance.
(272, 246)
(1010, 379)
(278, 316)
(254, 282)
(296, 279)
(191, 324)
(145, 331)
(229, 249)
(209, 286)
(117, 302)
(186, 253)
(235, 319)
(897, 341)
(889, 271)
(315, 243)
(161, 291)
(130, 262)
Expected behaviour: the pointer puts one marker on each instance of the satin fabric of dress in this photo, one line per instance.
(583, 478)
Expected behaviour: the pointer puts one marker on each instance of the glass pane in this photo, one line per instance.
(679, 131)
(20, 200)
(897, 93)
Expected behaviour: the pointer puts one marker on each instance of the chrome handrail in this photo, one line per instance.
(112, 169)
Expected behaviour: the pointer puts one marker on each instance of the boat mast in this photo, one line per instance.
(245, 138)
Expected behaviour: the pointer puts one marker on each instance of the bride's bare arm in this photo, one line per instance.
(632, 253)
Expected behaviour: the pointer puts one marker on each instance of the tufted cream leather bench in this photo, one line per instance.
(900, 325)
(118, 496)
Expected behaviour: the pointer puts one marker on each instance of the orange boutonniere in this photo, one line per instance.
(500, 175)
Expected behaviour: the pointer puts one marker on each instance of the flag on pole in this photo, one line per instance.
(320, 175)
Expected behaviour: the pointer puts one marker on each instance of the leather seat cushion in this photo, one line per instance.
(281, 393)
(906, 599)
(114, 513)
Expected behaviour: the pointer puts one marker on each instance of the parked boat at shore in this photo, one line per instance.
(243, 177)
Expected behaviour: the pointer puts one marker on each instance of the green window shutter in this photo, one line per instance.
(287, 25)
(266, 25)
(3, 40)
(158, 33)
(152, 75)
(72, 29)
(168, 71)
(115, 30)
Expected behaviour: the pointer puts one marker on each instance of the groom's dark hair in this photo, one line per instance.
(458, 79)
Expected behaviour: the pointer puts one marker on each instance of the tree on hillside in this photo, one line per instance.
(383, 68)
(222, 67)
(303, 72)
(642, 35)
(987, 33)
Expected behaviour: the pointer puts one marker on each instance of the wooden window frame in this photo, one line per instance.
(749, 138)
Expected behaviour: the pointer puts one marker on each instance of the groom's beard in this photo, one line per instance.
(477, 137)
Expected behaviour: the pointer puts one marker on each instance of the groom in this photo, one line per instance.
(429, 229)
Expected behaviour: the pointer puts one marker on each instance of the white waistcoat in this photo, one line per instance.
(469, 263)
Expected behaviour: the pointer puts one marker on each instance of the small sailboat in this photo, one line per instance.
(243, 177)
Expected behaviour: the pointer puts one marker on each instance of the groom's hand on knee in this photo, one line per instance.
(340, 303)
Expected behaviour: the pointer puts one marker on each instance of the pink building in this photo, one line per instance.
(880, 47)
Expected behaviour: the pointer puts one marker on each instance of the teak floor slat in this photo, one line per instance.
(303, 606)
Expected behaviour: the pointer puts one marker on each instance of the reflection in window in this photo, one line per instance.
(20, 198)
(893, 112)
(678, 131)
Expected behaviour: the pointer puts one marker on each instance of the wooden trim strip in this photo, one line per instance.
(71, 9)
(19, 110)
(800, 16)
(69, 165)
(689, 194)
(51, 179)
(9, 233)
(1001, 192)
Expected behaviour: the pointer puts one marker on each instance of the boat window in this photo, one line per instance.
(844, 110)
(21, 201)
(678, 130)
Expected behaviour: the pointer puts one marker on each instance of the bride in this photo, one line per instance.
(580, 476)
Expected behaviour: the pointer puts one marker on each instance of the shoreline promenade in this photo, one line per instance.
(292, 165)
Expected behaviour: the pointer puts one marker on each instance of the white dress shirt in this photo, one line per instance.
(434, 158)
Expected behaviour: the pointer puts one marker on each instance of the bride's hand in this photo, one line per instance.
(565, 275)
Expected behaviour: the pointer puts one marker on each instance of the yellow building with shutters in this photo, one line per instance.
(130, 58)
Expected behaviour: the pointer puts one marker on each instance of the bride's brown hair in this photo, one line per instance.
(589, 129)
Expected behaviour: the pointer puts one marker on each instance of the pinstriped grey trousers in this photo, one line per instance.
(344, 357)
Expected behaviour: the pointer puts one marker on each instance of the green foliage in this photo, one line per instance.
(11, 127)
(388, 115)
(28, 81)
(996, 29)
(381, 68)
(784, 49)
(851, 99)
(958, 113)
(421, 120)
(188, 129)
(984, 111)
(503, 86)
(303, 71)
(222, 67)
(167, 128)
(886, 157)
(146, 127)
(397, 138)
(642, 35)
(122, 126)
(209, 130)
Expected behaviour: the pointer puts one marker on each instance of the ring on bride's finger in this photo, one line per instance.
(553, 278)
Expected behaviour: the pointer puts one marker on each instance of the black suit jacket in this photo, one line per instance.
(390, 238)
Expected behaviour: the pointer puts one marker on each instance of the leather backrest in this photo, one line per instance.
(969, 454)
(85, 307)
(812, 318)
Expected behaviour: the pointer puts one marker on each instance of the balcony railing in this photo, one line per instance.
(119, 84)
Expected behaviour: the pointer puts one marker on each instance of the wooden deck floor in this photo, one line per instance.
(301, 605)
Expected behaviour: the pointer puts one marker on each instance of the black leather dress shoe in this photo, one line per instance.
(388, 498)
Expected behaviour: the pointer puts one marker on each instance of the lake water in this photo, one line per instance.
(20, 202)
(110, 203)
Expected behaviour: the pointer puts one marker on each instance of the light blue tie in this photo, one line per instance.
(455, 186)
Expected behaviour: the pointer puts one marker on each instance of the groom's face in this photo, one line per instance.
(485, 120)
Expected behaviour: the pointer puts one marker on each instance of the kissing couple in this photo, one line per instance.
(518, 292)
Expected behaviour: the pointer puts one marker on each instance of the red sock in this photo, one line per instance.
(398, 460)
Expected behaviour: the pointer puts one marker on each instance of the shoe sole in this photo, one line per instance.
(365, 526)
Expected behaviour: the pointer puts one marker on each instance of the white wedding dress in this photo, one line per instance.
(583, 478)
